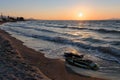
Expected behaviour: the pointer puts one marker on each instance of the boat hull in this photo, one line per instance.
(81, 64)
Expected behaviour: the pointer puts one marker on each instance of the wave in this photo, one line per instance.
(86, 28)
(90, 39)
(98, 30)
(83, 28)
(65, 41)
(61, 40)
(69, 27)
(109, 50)
(117, 43)
(33, 28)
(78, 28)
(102, 30)
(56, 26)
(104, 50)
(39, 29)
(107, 31)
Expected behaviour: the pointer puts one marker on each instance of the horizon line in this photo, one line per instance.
(74, 19)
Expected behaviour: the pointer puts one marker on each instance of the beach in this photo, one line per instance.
(45, 68)
(59, 40)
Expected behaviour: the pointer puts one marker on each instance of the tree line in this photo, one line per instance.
(11, 19)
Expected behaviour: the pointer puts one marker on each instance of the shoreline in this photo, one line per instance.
(52, 68)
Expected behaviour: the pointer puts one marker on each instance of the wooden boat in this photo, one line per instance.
(77, 60)
(73, 55)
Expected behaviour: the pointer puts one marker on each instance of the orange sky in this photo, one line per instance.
(62, 9)
(73, 14)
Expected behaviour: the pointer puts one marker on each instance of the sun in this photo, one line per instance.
(80, 14)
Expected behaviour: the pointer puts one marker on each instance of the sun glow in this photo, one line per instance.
(80, 14)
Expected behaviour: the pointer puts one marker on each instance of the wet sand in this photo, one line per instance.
(51, 68)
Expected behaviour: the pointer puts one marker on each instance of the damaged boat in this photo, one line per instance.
(79, 61)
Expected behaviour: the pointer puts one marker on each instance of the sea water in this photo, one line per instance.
(97, 40)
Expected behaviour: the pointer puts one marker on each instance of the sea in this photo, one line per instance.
(98, 41)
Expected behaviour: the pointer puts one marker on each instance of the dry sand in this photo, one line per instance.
(52, 68)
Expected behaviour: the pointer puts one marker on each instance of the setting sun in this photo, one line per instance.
(80, 14)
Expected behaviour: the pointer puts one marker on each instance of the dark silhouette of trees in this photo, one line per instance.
(20, 19)
(11, 19)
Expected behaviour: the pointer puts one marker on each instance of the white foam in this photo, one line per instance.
(96, 74)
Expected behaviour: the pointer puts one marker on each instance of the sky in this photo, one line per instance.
(62, 9)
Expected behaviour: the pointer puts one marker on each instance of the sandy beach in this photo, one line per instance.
(53, 69)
